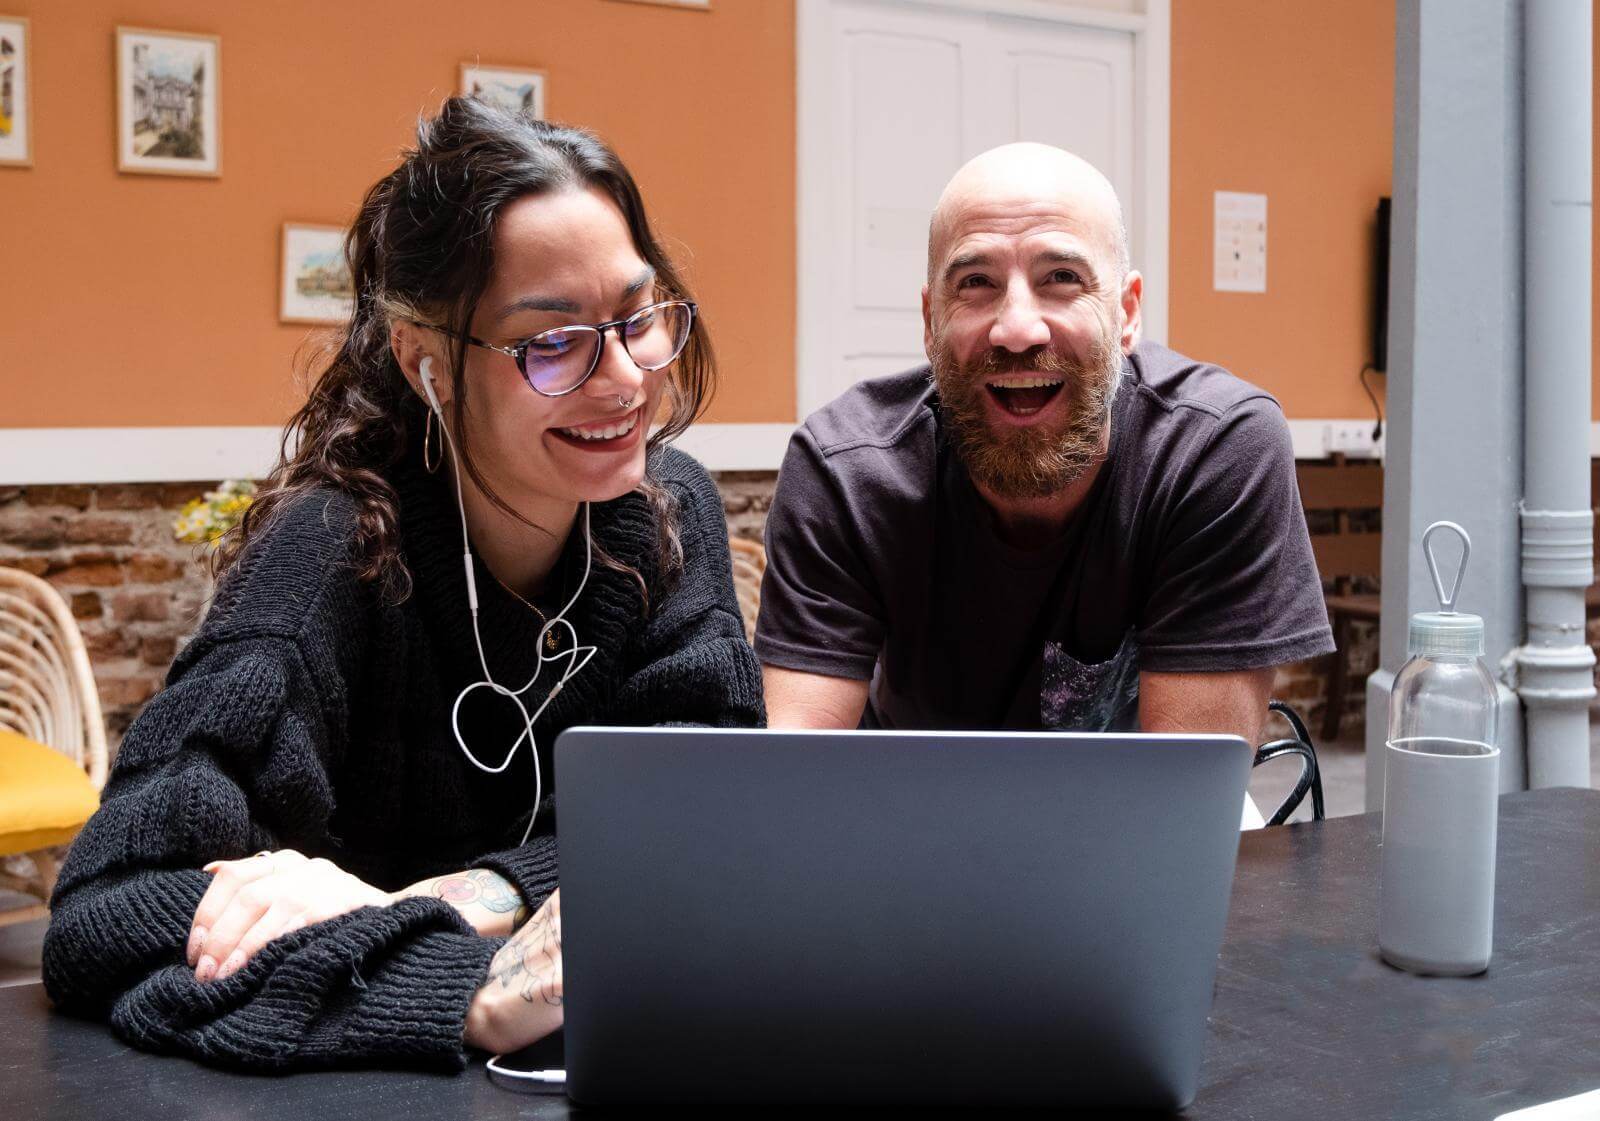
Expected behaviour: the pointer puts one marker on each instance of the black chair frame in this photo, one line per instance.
(1310, 779)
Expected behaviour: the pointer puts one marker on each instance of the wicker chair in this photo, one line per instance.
(749, 565)
(52, 738)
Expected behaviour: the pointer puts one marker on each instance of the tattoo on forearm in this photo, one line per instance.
(489, 890)
(530, 963)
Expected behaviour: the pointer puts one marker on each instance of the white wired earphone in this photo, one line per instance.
(576, 656)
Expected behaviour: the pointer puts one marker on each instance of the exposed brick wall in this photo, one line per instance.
(1304, 684)
(135, 591)
(138, 594)
(746, 498)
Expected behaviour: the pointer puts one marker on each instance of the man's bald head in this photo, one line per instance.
(1036, 176)
(1030, 307)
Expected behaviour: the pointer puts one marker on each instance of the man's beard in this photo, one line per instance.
(1037, 460)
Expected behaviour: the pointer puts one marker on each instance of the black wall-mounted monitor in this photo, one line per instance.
(1380, 289)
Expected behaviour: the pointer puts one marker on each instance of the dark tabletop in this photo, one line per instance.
(1307, 1022)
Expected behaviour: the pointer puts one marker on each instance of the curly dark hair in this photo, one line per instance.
(422, 249)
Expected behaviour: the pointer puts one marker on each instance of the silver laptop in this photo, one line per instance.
(892, 917)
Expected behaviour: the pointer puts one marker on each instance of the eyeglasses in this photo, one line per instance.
(556, 362)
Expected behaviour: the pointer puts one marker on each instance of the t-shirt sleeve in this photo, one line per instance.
(820, 609)
(1233, 584)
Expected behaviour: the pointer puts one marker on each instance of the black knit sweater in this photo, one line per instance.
(310, 714)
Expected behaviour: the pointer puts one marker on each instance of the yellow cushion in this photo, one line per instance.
(44, 797)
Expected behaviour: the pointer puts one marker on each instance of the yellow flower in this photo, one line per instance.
(203, 520)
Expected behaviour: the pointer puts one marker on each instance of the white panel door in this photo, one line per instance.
(1071, 87)
(901, 116)
(910, 93)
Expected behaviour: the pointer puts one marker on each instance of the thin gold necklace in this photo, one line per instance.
(550, 640)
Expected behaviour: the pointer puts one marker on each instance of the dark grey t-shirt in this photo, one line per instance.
(1190, 553)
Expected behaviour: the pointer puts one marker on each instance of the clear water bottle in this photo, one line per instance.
(1441, 790)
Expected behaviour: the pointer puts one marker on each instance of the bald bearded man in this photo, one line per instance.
(1053, 525)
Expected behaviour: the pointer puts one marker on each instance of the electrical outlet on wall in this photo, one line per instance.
(1352, 438)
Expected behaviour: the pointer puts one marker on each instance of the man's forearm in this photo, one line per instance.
(796, 699)
(1229, 702)
(487, 900)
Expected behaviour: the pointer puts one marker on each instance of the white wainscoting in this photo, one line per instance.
(33, 456)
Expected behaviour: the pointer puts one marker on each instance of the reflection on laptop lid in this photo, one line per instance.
(892, 917)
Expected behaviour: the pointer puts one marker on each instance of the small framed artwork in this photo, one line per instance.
(316, 285)
(16, 110)
(515, 88)
(169, 105)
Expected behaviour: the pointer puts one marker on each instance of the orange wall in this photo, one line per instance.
(1294, 101)
(134, 300)
(179, 277)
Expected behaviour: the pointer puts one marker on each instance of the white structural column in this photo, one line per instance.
(1455, 384)
(1555, 667)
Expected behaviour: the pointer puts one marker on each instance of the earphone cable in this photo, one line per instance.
(577, 657)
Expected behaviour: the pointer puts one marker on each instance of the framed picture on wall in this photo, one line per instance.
(315, 286)
(169, 106)
(16, 111)
(515, 88)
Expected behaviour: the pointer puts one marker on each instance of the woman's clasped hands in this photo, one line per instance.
(258, 898)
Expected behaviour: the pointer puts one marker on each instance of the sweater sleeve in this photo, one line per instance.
(232, 758)
(692, 664)
(532, 869)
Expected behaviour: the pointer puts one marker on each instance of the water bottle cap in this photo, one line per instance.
(1445, 632)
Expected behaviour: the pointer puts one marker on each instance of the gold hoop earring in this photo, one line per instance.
(431, 463)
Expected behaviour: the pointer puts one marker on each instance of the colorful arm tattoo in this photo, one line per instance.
(489, 890)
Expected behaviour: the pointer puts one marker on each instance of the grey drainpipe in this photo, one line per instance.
(1553, 672)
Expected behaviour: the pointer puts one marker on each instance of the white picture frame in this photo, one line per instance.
(517, 88)
(16, 94)
(314, 284)
(169, 102)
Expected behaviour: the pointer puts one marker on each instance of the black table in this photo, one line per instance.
(1308, 1022)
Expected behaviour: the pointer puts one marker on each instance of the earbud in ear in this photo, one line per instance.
(427, 385)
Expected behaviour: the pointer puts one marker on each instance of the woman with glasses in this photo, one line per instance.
(330, 840)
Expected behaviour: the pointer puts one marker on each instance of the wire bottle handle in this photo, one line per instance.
(1447, 600)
